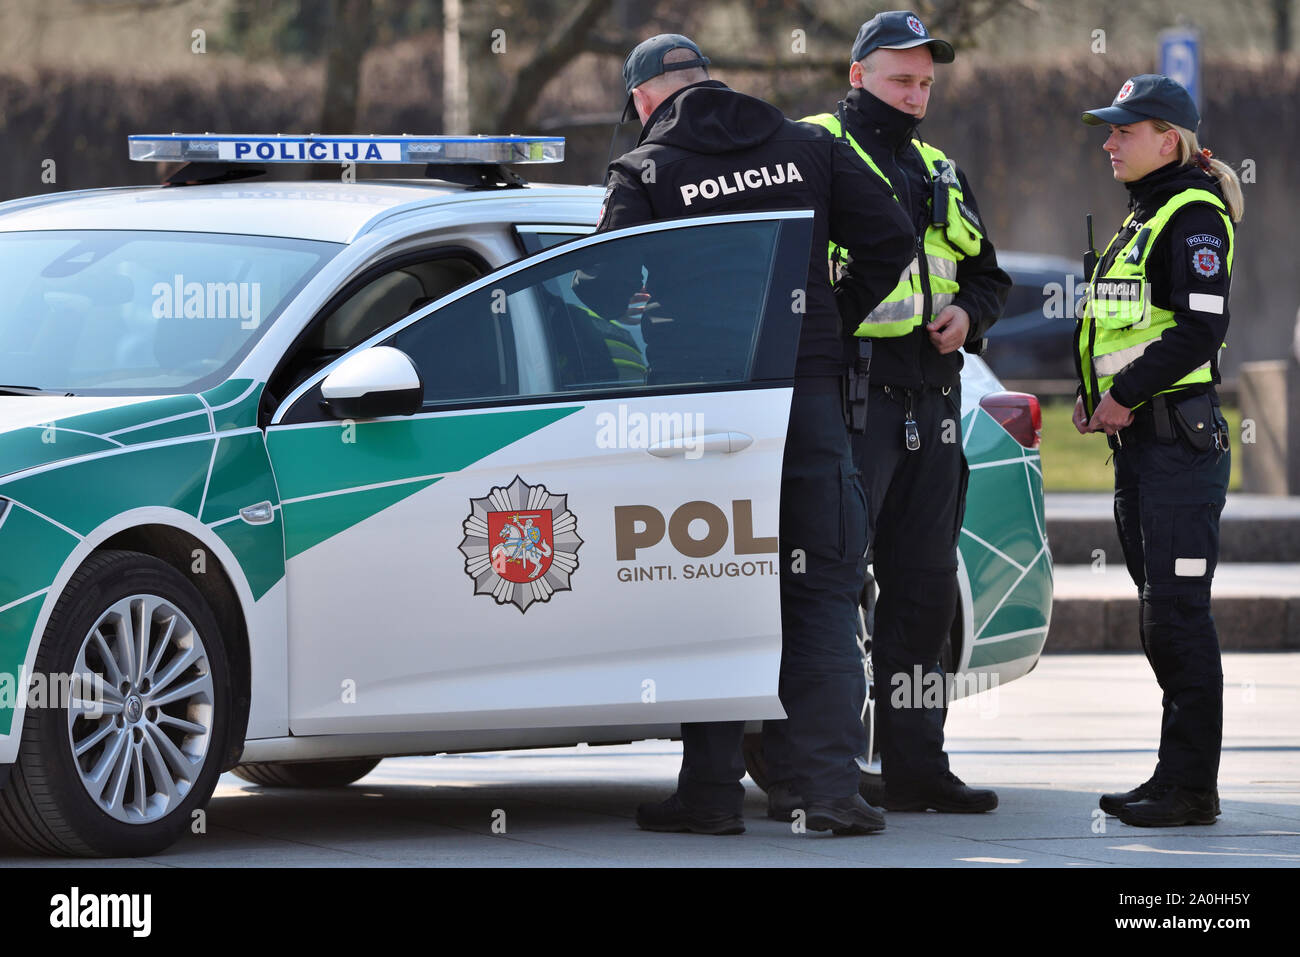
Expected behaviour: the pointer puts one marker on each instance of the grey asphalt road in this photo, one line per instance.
(1049, 743)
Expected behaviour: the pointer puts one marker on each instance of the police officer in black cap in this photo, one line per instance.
(697, 130)
(910, 453)
(1147, 349)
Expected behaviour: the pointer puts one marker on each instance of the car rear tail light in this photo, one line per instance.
(1018, 413)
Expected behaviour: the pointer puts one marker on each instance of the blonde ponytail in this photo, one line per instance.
(1230, 186)
(1190, 151)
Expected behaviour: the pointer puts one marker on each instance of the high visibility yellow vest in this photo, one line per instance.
(1119, 321)
(945, 245)
(629, 363)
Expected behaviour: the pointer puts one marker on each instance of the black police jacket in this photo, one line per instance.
(1172, 273)
(886, 135)
(707, 131)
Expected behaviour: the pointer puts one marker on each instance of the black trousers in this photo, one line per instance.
(822, 684)
(916, 501)
(1168, 498)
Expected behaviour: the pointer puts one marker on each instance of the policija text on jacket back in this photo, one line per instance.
(697, 135)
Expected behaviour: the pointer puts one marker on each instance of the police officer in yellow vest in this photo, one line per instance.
(1147, 348)
(910, 456)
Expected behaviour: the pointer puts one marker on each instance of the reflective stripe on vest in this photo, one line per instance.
(1112, 363)
(902, 309)
(629, 363)
(1119, 313)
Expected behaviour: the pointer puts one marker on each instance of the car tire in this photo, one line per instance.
(123, 777)
(307, 774)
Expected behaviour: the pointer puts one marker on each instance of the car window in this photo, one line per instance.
(536, 238)
(371, 303)
(668, 309)
(391, 296)
(105, 312)
(1025, 298)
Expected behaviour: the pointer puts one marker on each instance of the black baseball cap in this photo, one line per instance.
(899, 30)
(1149, 96)
(646, 61)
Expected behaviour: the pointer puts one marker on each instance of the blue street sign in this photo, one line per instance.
(1180, 58)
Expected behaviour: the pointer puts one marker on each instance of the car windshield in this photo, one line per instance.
(108, 312)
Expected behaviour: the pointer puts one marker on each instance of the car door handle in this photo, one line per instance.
(693, 446)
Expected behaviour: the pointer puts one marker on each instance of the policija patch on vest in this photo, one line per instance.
(1205, 262)
(970, 216)
(1121, 290)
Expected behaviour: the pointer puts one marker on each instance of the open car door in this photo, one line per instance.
(577, 523)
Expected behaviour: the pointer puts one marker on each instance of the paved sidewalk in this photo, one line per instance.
(1254, 528)
(1241, 506)
(1241, 580)
(1256, 607)
(1077, 726)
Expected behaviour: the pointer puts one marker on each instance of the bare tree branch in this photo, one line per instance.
(567, 41)
(760, 65)
(620, 46)
(957, 20)
(350, 28)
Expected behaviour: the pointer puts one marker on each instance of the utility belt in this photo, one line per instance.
(857, 391)
(1175, 417)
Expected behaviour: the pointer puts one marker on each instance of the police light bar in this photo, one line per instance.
(314, 148)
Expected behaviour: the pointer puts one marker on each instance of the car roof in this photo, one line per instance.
(318, 210)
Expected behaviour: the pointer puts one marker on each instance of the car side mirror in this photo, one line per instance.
(375, 382)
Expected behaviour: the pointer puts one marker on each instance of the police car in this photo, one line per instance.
(297, 476)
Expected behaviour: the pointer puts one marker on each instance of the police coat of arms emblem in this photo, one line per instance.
(521, 544)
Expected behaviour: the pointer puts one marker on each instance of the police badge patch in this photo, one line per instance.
(1205, 261)
(604, 204)
(521, 544)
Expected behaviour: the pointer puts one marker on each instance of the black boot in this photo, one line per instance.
(673, 815)
(782, 802)
(850, 815)
(948, 794)
(1111, 803)
(872, 789)
(1172, 807)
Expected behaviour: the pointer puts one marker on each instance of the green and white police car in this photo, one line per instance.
(297, 476)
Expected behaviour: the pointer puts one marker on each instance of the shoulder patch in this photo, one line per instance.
(1205, 262)
(604, 204)
(1205, 239)
(970, 215)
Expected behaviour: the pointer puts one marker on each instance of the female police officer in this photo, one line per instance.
(1146, 349)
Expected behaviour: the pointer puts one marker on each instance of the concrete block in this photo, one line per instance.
(1077, 625)
(1263, 463)
(1123, 617)
(1291, 640)
(1251, 624)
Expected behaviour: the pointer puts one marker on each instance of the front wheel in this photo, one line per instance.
(307, 774)
(125, 739)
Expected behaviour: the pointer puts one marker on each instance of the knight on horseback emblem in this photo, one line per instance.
(522, 551)
(520, 544)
